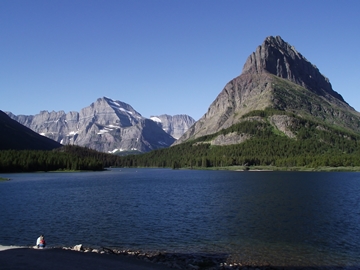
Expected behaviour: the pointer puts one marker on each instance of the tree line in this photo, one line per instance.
(67, 158)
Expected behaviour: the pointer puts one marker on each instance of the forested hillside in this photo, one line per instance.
(313, 144)
(66, 158)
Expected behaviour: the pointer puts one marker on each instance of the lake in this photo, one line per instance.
(281, 218)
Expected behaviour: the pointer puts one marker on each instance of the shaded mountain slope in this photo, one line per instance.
(18, 137)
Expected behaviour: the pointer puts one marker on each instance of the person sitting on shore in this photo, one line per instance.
(40, 242)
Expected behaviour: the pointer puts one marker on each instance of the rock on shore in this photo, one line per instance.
(177, 260)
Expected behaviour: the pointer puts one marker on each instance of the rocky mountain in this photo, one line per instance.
(275, 76)
(175, 125)
(106, 125)
(18, 137)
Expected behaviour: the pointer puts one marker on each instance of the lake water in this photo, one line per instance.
(281, 218)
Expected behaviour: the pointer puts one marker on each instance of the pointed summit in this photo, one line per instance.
(281, 59)
(269, 55)
(276, 76)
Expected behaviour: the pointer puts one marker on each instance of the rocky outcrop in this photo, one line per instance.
(276, 76)
(283, 123)
(106, 125)
(175, 125)
(171, 260)
(231, 138)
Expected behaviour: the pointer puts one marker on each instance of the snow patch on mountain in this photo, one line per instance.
(106, 125)
(72, 133)
(161, 143)
(155, 119)
(107, 129)
(175, 125)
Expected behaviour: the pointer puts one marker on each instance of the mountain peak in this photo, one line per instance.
(275, 76)
(268, 57)
(107, 125)
(279, 58)
(117, 107)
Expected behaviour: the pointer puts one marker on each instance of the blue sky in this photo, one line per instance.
(161, 56)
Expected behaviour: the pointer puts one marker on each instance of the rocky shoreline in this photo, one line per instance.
(185, 261)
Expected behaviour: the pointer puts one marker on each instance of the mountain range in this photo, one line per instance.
(279, 111)
(107, 125)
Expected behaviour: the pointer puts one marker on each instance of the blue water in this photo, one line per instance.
(281, 218)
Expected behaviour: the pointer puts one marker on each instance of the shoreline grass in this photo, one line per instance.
(282, 169)
(259, 168)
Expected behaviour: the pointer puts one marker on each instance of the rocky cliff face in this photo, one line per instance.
(283, 60)
(276, 76)
(106, 125)
(175, 125)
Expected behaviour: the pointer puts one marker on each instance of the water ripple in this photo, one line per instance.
(305, 219)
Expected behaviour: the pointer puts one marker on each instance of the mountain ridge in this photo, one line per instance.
(106, 125)
(175, 125)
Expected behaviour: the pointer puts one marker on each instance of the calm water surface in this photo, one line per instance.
(281, 218)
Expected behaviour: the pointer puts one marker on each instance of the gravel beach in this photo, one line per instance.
(21, 258)
(59, 259)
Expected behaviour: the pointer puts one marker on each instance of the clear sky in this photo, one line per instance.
(161, 56)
